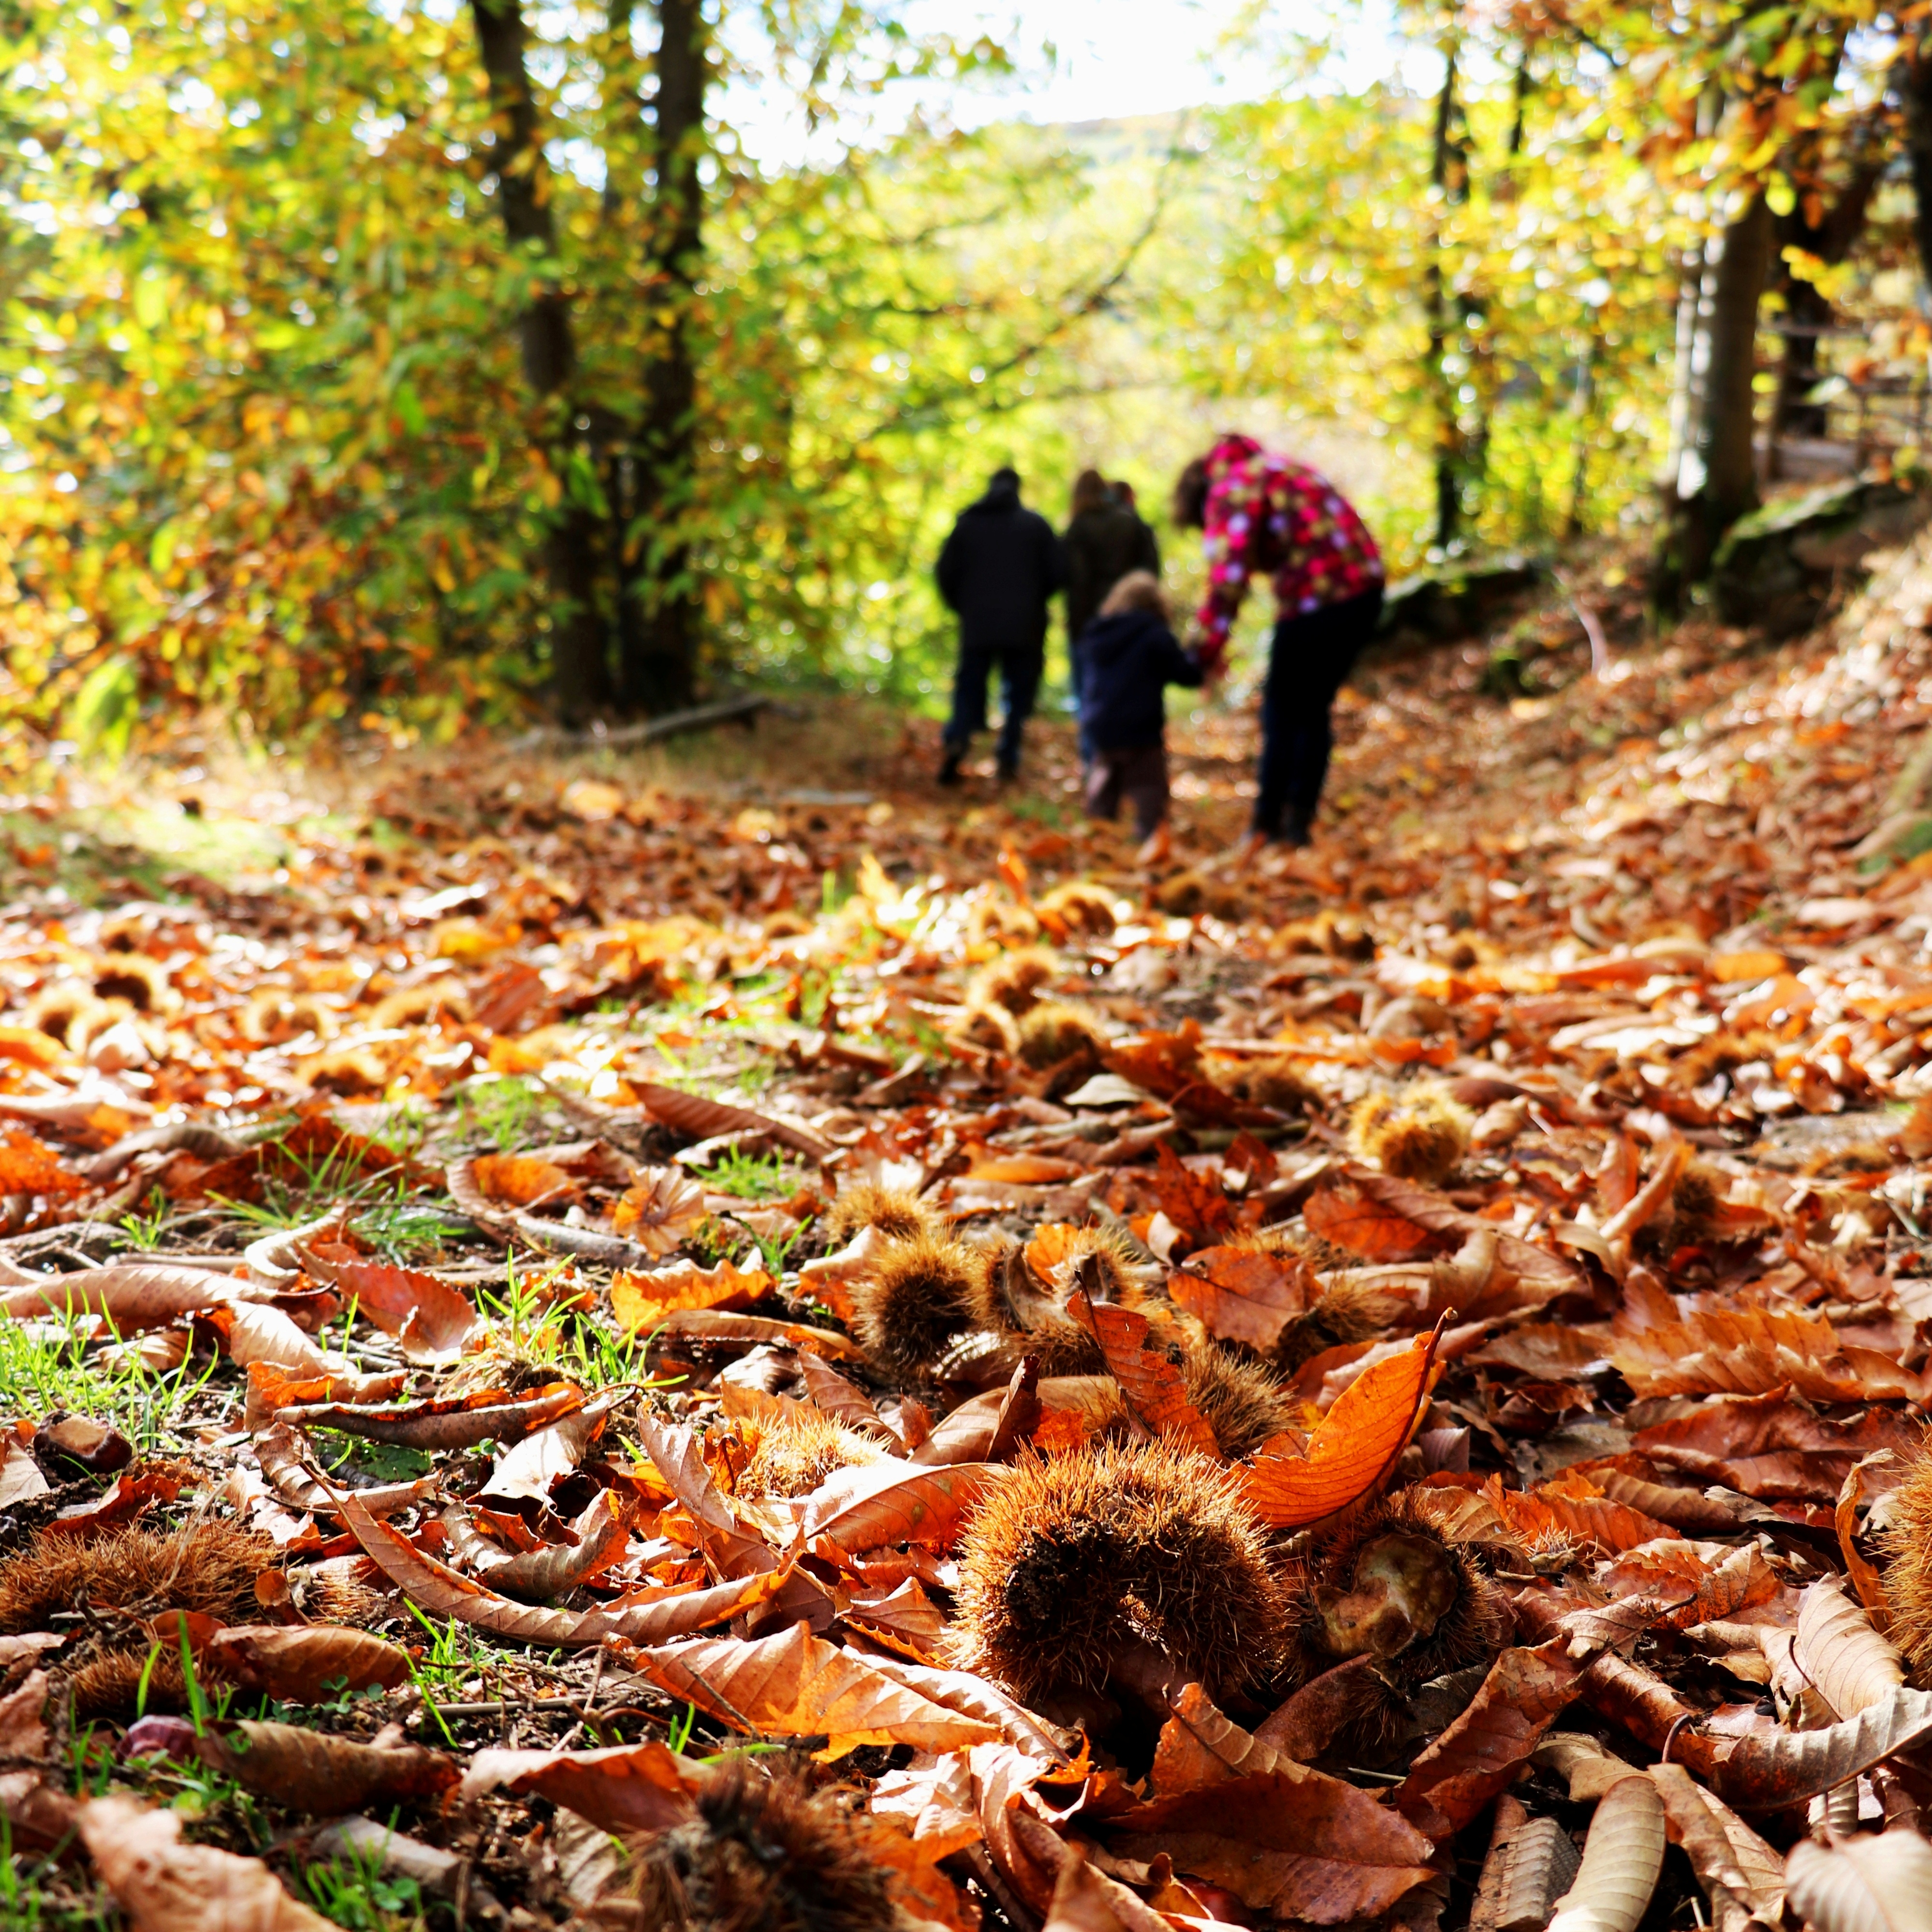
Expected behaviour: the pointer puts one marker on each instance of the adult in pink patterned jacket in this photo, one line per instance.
(1262, 515)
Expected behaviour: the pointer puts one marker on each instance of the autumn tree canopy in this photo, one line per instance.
(423, 361)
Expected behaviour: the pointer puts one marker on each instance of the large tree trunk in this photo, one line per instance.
(580, 671)
(1716, 480)
(660, 627)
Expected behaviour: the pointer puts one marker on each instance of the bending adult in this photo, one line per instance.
(1264, 515)
(997, 571)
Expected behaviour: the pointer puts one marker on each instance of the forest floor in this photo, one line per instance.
(729, 1334)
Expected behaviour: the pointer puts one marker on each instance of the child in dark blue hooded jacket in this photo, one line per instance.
(1128, 654)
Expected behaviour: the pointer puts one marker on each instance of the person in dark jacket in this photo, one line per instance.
(1105, 540)
(1128, 655)
(997, 570)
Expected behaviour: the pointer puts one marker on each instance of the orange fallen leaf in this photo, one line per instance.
(641, 1301)
(1353, 1449)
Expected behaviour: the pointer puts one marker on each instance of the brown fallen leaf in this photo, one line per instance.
(435, 1587)
(319, 1772)
(1243, 1296)
(1852, 1666)
(1456, 1774)
(1200, 1745)
(891, 1502)
(430, 1319)
(794, 1684)
(1529, 1865)
(642, 1787)
(1302, 1727)
(536, 1575)
(306, 1663)
(1293, 1842)
(133, 1295)
(719, 1324)
(164, 1885)
(1743, 1878)
(704, 1120)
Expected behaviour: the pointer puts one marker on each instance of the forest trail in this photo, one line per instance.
(569, 1271)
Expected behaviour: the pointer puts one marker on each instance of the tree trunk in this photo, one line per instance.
(660, 629)
(1717, 475)
(1461, 432)
(579, 673)
(1808, 313)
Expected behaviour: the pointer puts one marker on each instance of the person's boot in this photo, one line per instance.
(1294, 832)
(1156, 848)
(949, 765)
(1009, 770)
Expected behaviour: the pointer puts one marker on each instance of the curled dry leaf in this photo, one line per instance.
(165, 1885)
(752, 1331)
(438, 1589)
(1152, 1386)
(283, 1456)
(662, 1205)
(1200, 1745)
(1852, 1666)
(536, 1575)
(1351, 1453)
(133, 1295)
(455, 1422)
(1622, 1857)
(705, 1119)
(1881, 1884)
(306, 1663)
(1530, 1864)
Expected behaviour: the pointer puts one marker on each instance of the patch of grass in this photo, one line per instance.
(43, 1368)
(382, 1462)
(751, 1177)
(495, 1107)
(352, 1891)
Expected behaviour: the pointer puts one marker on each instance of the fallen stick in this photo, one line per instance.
(650, 730)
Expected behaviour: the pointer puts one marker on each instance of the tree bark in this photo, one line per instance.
(660, 627)
(1914, 84)
(579, 669)
(1716, 480)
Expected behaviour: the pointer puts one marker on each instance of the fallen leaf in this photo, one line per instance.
(306, 1663)
(164, 1885)
(640, 1787)
(1294, 1843)
(794, 1684)
(661, 1206)
(1148, 1370)
(1881, 1884)
(642, 1301)
(1622, 1857)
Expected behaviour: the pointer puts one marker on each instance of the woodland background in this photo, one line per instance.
(407, 362)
